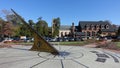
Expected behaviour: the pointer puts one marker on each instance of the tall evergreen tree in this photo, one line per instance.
(42, 27)
(118, 32)
(31, 23)
(55, 27)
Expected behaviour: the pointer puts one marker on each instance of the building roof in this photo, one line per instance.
(65, 27)
(82, 24)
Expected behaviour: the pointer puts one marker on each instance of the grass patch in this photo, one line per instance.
(71, 43)
(79, 43)
(54, 43)
(21, 43)
(118, 44)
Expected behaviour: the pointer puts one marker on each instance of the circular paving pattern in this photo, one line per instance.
(70, 57)
(63, 55)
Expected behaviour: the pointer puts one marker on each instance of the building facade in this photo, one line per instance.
(88, 29)
(64, 30)
(93, 28)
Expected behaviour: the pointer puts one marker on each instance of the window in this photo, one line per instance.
(66, 34)
(93, 33)
(92, 27)
(85, 33)
(61, 34)
(88, 27)
(88, 33)
(107, 26)
(97, 26)
(85, 27)
(102, 27)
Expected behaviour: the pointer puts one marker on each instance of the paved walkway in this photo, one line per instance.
(70, 57)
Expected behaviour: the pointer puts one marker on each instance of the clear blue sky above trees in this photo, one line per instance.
(68, 10)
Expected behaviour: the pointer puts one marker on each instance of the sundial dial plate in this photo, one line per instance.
(70, 57)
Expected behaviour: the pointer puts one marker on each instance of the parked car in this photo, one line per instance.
(32, 39)
(46, 38)
(28, 40)
(16, 39)
(118, 38)
(71, 39)
(108, 38)
(77, 39)
(65, 39)
(1, 39)
(59, 39)
(101, 38)
(6, 40)
(53, 40)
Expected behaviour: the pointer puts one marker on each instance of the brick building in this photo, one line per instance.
(64, 30)
(88, 29)
(91, 28)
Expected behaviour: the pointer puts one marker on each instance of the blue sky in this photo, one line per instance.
(68, 10)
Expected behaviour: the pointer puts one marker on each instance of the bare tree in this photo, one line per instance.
(7, 29)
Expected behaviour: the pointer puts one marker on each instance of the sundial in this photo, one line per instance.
(40, 44)
(46, 55)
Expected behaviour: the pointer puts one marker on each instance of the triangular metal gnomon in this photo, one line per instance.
(40, 44)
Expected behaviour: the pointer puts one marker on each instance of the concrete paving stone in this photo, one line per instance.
(19, 56)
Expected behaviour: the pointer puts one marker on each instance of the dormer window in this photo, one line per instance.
(102, 27)
(92, 26)
(97, 26)
(87, 27)
(107, 26)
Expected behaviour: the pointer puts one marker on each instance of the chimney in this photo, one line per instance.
(73, 24)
